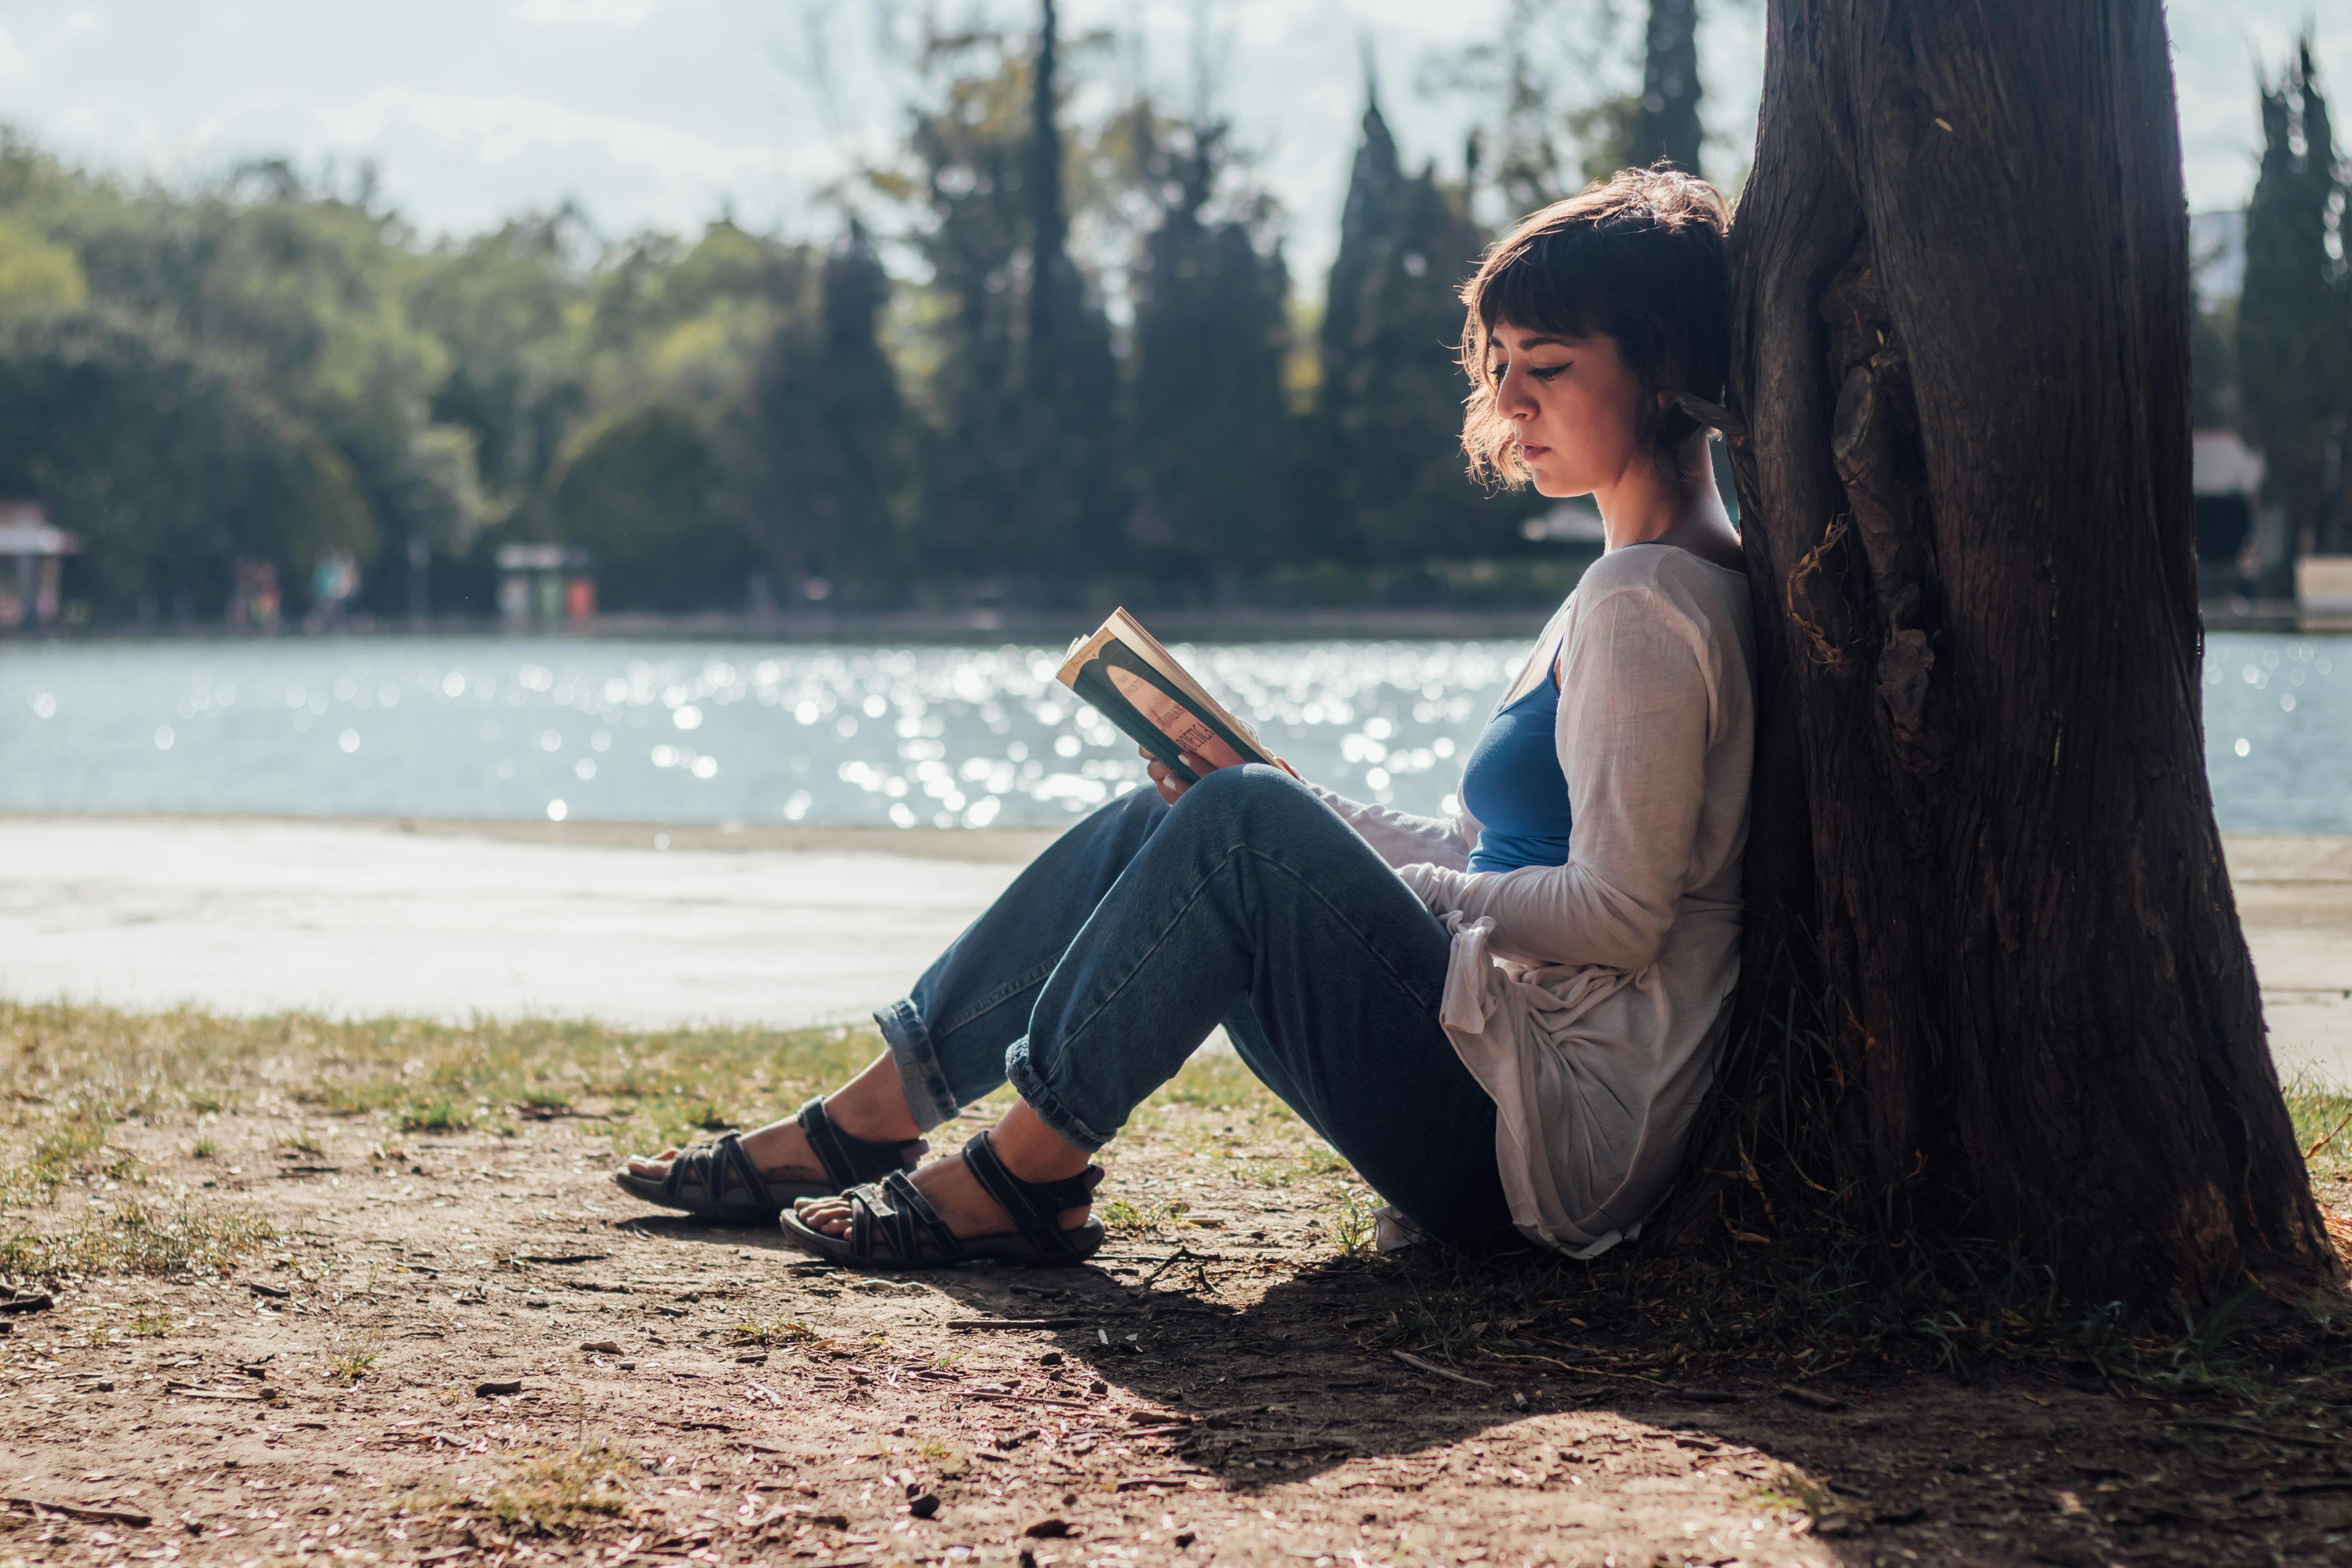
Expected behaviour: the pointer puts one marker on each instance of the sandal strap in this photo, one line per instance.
(903, 1225)
(711, 1167)
(1035, 1207)
(847, 1160)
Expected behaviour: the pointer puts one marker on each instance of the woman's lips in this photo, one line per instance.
(1531, 452)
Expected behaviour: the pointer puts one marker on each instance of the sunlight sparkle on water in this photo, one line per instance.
(486, 727)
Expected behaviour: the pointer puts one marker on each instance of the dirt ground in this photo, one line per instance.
(467, 1347)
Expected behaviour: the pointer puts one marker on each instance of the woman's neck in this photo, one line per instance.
(1646, 506)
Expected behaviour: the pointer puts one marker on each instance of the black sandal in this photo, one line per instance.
(893, 1226)
(718, 1181)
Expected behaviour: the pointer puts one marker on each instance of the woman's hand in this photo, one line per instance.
(1171, 788)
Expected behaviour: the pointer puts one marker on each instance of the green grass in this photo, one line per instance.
(561, 1492)
(139, 1237)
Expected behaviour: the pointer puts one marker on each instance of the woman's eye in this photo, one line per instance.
(1546, 372)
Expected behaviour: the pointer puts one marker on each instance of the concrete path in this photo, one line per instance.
(781, 926)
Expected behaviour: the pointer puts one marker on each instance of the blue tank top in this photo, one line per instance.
(1513, 786)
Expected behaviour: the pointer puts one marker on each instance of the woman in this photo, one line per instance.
(1503, 1017)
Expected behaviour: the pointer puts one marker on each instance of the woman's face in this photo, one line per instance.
(1573, 402)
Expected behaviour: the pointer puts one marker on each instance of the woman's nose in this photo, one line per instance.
(1513, 396)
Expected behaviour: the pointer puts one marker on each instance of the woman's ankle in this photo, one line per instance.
(873, 1105)
(1034, 1151)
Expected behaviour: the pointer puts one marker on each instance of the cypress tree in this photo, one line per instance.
(1400, 407)
(1666, 122)
(1375, 185)
(2294, 345)
(820, 470)
(1070, 380)
(1367, 223)
(1209, 420)
(971, 151)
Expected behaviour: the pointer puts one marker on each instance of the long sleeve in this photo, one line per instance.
(1404, 839)
(1633, 734)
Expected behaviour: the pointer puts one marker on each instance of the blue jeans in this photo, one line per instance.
(1249, 903)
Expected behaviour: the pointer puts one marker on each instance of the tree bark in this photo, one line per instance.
(1961, 344)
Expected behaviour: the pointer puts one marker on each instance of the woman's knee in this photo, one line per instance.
(1254, 801)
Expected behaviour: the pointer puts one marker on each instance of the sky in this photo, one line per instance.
(665, 114)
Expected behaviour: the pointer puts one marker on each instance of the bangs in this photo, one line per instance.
(1542, 284)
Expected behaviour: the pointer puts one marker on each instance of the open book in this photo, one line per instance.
(1139, 686)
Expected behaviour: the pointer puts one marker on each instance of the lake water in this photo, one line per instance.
(746, 732)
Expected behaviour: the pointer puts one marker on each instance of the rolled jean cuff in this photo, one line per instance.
(1023, 1074)
(929, 1097)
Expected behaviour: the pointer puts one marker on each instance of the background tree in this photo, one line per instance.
(1981, 800)
(1367, 220)
(1665, 123)
(821, 463)
(1398, 399)
(1069, 381)
(1210, 424)
(2294, 316)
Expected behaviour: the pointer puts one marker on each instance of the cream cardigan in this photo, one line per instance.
(1588, 998)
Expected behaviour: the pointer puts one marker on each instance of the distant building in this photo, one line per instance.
(32, 563)
(545, 584)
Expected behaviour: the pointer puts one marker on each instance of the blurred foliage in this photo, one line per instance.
(2294, 326)
(1054, 363)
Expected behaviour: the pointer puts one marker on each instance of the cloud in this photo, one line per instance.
(16, 61)
(498, 128)
(621, 14)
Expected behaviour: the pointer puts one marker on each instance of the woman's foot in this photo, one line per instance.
(871, 1106)
(1029, 1150)
(780, 1151)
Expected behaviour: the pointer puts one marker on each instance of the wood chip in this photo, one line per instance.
(1811, 1398)
(1047, 1530)
(1413, 1361)
(273, 1292)
(1018, 1323)
(90, 1511)
(39, 1301)
(561, 1257)
(195, 1391)
(496, 1389)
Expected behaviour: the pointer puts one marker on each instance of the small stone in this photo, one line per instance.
(494, 1390)
(1051, 1358)
(1048, 1530)
(602, 1347)
(1185, 1538)
(924, 1507)
(1099, 1386)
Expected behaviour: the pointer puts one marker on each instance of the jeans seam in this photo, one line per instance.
(1003, 993)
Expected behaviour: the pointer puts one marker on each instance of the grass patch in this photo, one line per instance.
(150, 1325)
(139, 1237)
(1128, 1220)
(769, 1331)
(561, 1492)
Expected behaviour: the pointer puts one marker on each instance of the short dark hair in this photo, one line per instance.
(1639, 257)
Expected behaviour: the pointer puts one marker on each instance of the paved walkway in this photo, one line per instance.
(782, 926)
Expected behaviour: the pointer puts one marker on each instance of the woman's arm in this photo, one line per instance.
(1404, 839)
(1634, 718)
(1399, 837)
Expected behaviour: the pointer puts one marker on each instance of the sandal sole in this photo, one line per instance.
(1011, 1248)
(648, 1189)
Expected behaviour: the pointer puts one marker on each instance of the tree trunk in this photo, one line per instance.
(1961, 339)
